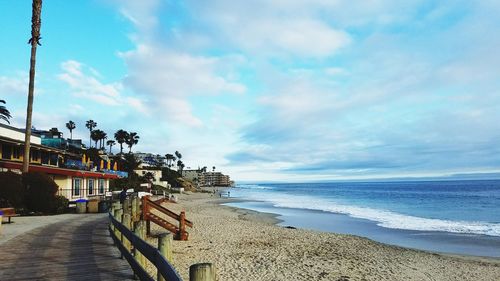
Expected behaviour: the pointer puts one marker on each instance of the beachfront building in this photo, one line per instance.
(76, 176)
(214, 179)
(192, 175)
(156, 176)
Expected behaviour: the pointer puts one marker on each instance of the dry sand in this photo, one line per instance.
(246, 245)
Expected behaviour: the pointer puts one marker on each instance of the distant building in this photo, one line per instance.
(150, 159)
(76, 176)
(156, 176)
(192, 175)
(214, 179)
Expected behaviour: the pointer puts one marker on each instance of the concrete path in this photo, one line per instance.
(76, 247)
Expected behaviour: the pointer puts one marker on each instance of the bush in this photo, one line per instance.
(11, 190)
(40, 192)
(61, 204)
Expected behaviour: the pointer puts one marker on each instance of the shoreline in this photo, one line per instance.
(247, 245)
(372, 231)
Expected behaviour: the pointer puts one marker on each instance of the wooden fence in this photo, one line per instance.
(180, 232)
(128, 231)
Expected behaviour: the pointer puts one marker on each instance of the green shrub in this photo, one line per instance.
(40, 192)
(61, 204)
(11, 190)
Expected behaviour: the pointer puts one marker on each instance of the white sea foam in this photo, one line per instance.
(253, 186)
(383, 218)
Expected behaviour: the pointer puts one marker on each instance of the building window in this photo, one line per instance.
(101, 186)
(53, 159)
(45, 157)
(91, 186)
(6, 151)
(16, 152)
(77, 187)
(35, 155)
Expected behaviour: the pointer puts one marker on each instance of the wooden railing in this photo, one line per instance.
(133, 248)
(128, 234)
(149, 205)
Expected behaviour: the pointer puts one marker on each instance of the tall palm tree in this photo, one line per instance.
(91, 124)
(4, 112)
(213, 169)
(121, 136)
(71, 126)
(132, 140)
(95, 136)
(110, 143)
(36, 23)
(103, 136)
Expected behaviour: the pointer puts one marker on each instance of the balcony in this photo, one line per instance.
(79, 165)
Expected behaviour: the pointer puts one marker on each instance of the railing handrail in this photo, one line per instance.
(151, 253)
(167, 211)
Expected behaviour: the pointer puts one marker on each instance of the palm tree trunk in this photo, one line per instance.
(35, 37)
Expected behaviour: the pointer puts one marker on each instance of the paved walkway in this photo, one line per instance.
(77, 248)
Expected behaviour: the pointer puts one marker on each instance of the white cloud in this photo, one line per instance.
(168, 78)
(305, 38)
(17, 85)
(88, 86)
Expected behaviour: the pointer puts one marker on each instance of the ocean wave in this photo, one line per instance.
(384, 218)
(253, 186)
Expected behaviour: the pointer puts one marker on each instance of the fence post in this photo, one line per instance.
(182, 226)
(138, 208)
(139, 231)
(118, 216)
(165, 247)
(202, 272)
(126, 223)
(145, 211)
(126, 206)
(134, 209)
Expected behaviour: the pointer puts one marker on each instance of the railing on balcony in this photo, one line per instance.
(79, 165)
(75, 164)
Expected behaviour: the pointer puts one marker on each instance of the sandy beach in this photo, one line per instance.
(247, 245)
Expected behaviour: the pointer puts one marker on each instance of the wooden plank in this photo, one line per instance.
(79, 249)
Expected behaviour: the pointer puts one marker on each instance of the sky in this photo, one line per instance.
(265, 90)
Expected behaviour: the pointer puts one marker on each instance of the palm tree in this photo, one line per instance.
(91, 124)
(110, 143)
(180, 165)
(103, 136)
(36, 23)
(4, 113)
(95, 136)
(121, 136)
(178, 154)
(213, 169)
(71, 126)
(169, 157)
(132, 140)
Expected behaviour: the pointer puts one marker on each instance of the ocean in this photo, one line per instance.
(459, 217)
